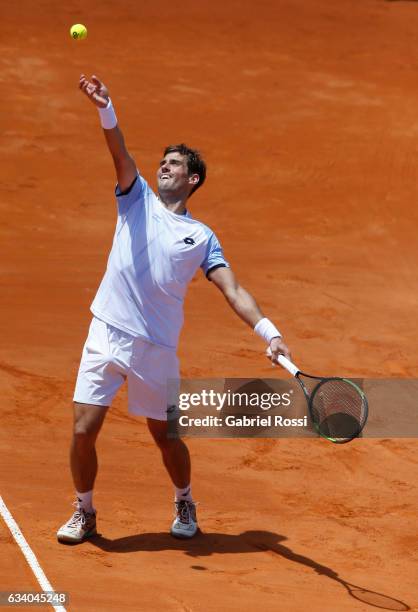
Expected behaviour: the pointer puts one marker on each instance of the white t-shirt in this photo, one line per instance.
(154, 256)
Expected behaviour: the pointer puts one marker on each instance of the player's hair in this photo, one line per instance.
(195, 162)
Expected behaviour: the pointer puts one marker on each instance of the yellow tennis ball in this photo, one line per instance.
(78, 31)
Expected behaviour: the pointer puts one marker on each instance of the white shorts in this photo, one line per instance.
(111, 356)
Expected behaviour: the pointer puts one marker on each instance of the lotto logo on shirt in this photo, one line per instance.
(189, 241)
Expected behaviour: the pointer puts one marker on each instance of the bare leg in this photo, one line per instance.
(88, 420)
(175, 454)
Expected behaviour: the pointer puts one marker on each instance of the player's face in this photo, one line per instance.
(173, 173)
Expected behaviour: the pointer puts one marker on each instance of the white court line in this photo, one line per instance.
(27, 551)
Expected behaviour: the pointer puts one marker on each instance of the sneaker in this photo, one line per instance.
(185, 523)
(81, 525)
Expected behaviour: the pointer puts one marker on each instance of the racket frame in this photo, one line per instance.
(294, 370)
(311, 396)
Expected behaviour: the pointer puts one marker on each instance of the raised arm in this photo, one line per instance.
(124, 163)
(248, 310)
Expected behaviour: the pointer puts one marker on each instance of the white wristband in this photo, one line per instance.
(108, 116)
(266, 330)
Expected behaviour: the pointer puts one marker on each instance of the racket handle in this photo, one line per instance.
(286, 363)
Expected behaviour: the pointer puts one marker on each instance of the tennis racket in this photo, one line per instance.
(337, 407)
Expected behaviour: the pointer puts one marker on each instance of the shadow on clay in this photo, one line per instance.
(206, 544)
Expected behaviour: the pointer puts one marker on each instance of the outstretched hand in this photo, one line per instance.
(277, 347)
(95, 90)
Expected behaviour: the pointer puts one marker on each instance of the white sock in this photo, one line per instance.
(85, 501)
(184, 494)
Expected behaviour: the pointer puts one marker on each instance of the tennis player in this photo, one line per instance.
(138, 314)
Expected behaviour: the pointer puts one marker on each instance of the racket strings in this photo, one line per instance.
(338, 409)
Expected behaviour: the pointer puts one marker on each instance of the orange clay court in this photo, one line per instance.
(307, 114)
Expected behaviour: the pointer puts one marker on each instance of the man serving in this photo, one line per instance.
(138, 314)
